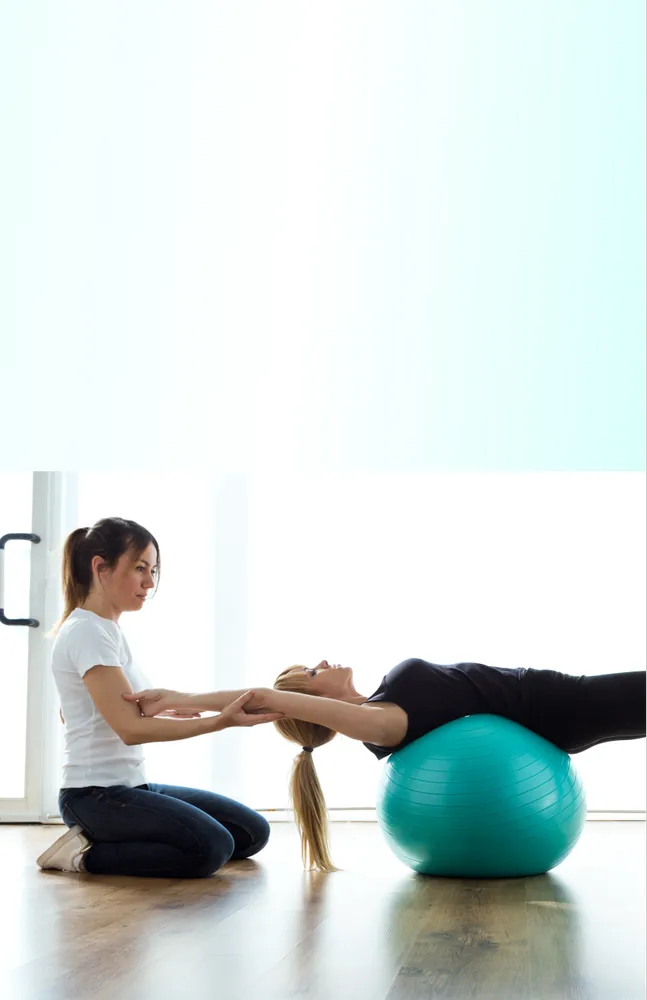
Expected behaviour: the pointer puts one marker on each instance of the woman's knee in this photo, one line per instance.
(260, 835)
(219, 849)
(215, 852)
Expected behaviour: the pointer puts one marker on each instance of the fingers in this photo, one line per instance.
(269, 717)
(150, 694)
(172, 713)
(234, 706)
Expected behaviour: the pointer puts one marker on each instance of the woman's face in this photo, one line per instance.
(329, 680)
(129, 583)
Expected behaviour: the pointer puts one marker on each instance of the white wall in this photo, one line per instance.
(348, 235)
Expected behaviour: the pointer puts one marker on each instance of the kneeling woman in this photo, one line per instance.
(573, 712)
(122, 824)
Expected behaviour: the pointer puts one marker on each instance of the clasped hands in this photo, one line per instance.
(247, 710)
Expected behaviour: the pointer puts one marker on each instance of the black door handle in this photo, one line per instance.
(31, 622)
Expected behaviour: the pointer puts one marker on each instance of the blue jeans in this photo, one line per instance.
(161, 831)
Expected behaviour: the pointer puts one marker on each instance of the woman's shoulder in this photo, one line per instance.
(396, 681)
(79, 621)
(407, 672)
(82, 626)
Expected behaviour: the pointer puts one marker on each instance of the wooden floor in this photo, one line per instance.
(263, 930)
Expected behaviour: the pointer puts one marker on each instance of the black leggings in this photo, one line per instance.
(576, 713)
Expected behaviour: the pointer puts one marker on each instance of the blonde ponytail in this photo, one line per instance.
(306, 794)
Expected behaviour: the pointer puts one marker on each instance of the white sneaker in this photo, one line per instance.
(67, 852)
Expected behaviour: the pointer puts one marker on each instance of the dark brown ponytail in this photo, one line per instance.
(76, 575)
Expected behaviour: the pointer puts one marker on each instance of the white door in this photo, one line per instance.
(35, 511)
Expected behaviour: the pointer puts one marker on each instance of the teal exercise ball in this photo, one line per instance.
(481, 797)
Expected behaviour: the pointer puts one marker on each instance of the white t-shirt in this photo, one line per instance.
(94, 754)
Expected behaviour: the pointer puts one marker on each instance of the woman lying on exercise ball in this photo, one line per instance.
(120, 823)
(574, 713)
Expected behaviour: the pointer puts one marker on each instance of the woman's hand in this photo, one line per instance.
(235, 714)
(173, 713)
(164, 702)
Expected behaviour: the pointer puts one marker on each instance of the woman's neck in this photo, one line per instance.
(355, 699)
(101, 607)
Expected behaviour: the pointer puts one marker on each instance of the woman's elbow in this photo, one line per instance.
(131, 738)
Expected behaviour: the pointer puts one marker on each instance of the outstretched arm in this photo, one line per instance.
(106, 686)
(359, 722)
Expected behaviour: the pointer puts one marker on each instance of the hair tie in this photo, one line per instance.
(307, 749)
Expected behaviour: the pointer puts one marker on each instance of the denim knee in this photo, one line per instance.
(260, 834)
(215, 853)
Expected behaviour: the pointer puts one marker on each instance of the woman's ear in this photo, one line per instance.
(97, 564)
